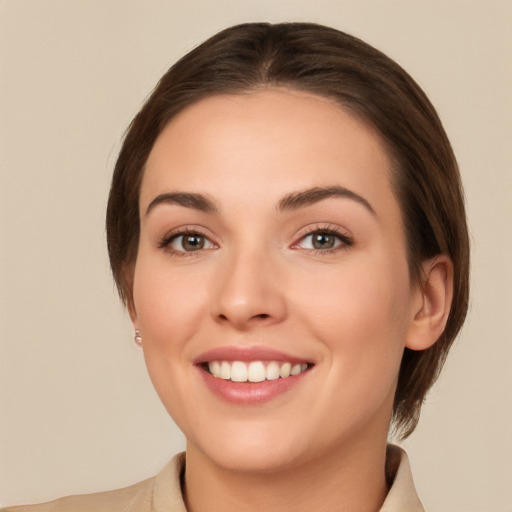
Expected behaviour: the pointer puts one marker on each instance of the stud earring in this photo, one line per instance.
(138, 337)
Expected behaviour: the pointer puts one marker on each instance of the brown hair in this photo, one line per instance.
(333, 64)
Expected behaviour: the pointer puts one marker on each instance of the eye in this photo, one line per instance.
(189, 242)
(323, 240)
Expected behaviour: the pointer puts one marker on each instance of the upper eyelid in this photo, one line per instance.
(183, 230)
(335, 229)
(172, 234)
(344, 236)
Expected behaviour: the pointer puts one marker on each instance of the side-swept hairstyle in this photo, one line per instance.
(332, 64)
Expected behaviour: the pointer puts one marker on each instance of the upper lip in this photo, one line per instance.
(247, 354)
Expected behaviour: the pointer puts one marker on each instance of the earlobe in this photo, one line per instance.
(429, 319)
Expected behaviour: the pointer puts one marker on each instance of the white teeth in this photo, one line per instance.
(255, 371)
(238, 372)
(285, 370)
(214, 367)
(296, 369)
(225, 370)
(272, 372)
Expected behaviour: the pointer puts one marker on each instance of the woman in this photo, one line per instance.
(286, 226)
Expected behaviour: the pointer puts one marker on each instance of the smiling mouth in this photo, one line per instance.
(254, 371)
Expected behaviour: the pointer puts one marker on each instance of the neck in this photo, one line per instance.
(350, 481)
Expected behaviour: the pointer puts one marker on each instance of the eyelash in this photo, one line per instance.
(343, 239)
(166, 242)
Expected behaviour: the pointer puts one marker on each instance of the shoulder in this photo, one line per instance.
(144, 496)
(402, 493)
(136, 497)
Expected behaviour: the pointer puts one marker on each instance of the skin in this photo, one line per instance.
(258, 281)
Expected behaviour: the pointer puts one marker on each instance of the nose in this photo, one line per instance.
(249, 292)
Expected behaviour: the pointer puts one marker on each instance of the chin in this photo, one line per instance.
(253, 450)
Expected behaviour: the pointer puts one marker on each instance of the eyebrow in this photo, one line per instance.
(290, 202)
(310, 196)
(187, 199)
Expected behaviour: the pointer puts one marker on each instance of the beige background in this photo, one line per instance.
(78, 413)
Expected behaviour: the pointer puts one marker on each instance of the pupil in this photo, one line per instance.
(193, 242)
(323, 240)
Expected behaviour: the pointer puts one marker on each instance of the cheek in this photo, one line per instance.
(166, 303)
(169, 306)
(359, 295)
(361, 317)
(167, 311)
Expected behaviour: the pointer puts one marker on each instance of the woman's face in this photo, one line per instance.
(271, 242)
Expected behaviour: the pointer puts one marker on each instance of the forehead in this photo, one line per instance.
(265, 142)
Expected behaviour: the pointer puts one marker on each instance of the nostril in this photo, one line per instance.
(261, 316)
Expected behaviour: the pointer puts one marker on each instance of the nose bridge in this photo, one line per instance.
(248, 289)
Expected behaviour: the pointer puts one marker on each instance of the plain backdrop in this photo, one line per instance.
(78, 413)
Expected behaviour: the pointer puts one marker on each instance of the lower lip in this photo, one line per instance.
(250, 393)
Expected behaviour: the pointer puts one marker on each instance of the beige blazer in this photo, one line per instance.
(162, 493)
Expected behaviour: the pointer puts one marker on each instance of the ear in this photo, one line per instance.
(432, 307)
